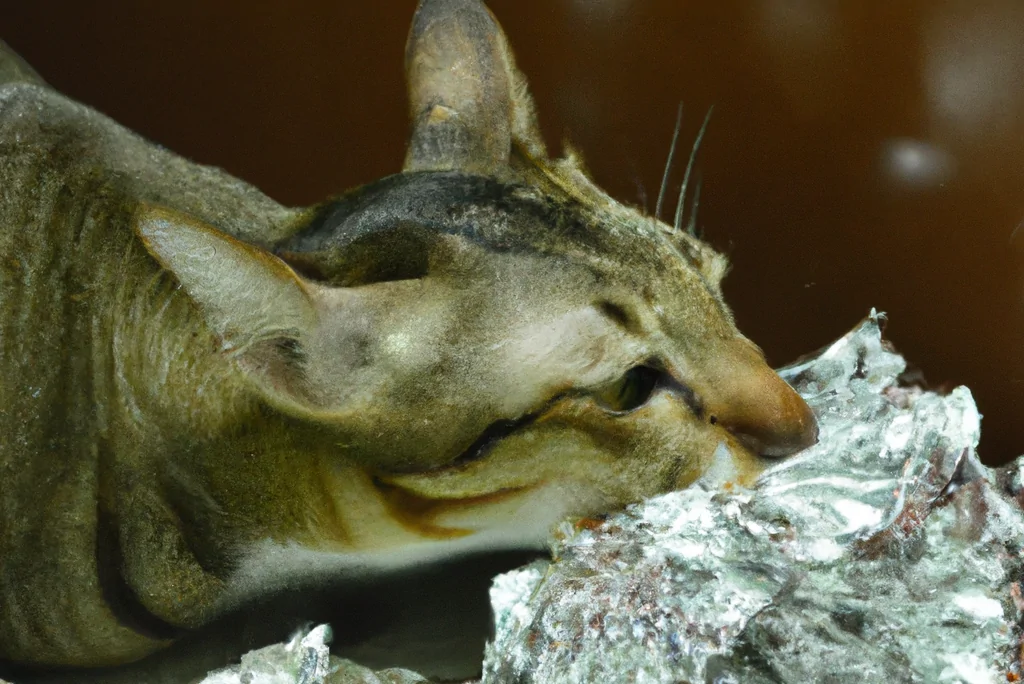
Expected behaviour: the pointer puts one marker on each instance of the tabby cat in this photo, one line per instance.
(206, 396)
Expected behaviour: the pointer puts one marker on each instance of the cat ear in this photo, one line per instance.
(468, 101)
(246, 294)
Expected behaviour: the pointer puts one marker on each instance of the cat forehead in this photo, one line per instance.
(573, 222)
(496, 214)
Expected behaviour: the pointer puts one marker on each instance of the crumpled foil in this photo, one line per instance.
(886, 553)
(303, 660)
(306, 659)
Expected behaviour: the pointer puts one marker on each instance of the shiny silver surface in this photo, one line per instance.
(885, 553)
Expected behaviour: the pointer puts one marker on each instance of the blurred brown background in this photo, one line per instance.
(861, 153)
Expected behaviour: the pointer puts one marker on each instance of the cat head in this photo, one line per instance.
(487, 334)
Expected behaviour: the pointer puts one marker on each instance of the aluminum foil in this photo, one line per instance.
(305, 659)
(886, 553)
(302, 660)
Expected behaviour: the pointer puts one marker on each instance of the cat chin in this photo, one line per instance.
(523, 523)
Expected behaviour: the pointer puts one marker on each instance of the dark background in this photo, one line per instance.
(861, 154)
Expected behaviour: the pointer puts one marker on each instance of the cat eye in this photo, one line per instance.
(631, 391)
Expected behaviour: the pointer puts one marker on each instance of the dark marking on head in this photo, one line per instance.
(398, 252)
(416, 208)
(692, 399)
(619, 315)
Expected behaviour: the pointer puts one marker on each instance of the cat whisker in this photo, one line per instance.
(668, 163)
(689, 169)
(691, 226)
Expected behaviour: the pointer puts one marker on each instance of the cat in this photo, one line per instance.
(208, 397)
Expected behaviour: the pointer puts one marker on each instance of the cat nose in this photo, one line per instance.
(776, 421)
(760, 409)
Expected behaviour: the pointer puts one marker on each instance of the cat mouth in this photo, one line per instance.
(390, 488)
(489, 439)
(421, 512)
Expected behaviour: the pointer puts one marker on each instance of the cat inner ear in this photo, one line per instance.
(254, 302)
(468, 101)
